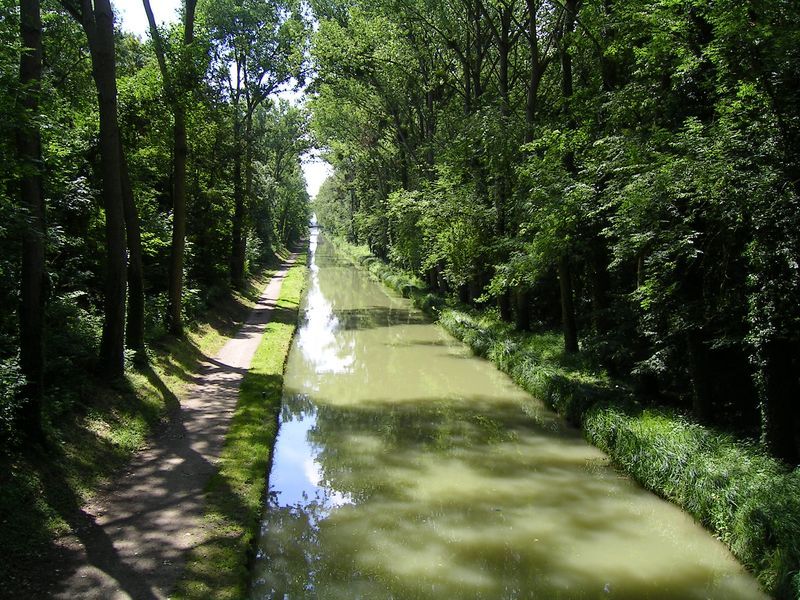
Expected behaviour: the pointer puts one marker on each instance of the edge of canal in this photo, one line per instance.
(220, 566)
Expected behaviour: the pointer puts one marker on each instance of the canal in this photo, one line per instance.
(407, 468)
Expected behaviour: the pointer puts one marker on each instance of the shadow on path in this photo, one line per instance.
(131, 540)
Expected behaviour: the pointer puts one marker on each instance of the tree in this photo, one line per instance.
(134, 330)
(176, 98)
(33, 273)
(260, 47)
(282, 131)
(564, 271)
(97, 20)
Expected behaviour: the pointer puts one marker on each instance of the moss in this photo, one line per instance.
(746, 498)
(218, 568)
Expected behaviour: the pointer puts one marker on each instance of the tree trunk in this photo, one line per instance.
(567, 307)
(504, 49)
(702, 397)
(353, 234)
(430, 133)
(504, 306)
(248, 163)
(523, 301)
(532, 99)
(522, 314)
(238, 248)
(608, 64)
(32, 201)
(441, 281)
(503, 182)
(479, 45)
(99, 27)
(180, 154)
(566, 64)
(565, 280)
(190, 6)
(600, 284)
(134, 334)
(503, 185)
(176, 256)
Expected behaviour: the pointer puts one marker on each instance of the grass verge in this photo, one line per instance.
(93, 429)
(218, 568)
(747, 499)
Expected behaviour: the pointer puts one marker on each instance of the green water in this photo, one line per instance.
(406, 468)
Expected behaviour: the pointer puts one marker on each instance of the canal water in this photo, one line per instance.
(407, 468)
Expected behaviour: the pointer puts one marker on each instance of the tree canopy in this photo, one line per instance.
(627, 171)
(142, 193)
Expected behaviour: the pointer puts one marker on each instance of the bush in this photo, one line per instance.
(11, 382)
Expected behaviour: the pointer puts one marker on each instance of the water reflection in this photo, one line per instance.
(418, 471)
(316, 338)
(297, 479)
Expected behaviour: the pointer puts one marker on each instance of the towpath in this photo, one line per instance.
(134, 535)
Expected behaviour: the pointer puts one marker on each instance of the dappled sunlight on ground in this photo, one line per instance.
(131, 539)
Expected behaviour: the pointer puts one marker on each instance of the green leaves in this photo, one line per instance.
(259, 44)
(665, 181)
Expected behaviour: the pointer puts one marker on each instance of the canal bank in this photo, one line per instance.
(746, 498)
(218, 563)
(405, 467)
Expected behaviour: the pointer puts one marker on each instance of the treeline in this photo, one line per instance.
(627, 171)
(139, 181)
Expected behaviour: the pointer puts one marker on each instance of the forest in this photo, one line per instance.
(140, 180)
(601, 197)
(625, 172)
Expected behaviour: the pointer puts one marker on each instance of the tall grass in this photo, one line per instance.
(746, 498)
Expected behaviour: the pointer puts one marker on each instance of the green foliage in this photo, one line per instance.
(658, 181)
(406, 213)
(659, 178)
(280, 203)
(265, 39)
(92, 427)
(11, 382)
(556, 209)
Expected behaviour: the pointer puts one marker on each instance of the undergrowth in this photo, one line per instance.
(218, 568)
(746, 498)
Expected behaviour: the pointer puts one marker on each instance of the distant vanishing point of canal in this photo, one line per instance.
(407, 468)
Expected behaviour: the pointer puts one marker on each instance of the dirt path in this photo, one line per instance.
(134, 535)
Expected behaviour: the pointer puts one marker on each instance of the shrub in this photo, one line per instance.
(11, 382)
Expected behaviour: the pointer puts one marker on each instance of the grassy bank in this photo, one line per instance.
(218, 568)
(747, 499)
(93, 430)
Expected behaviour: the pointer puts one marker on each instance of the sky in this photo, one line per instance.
(133, 19)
